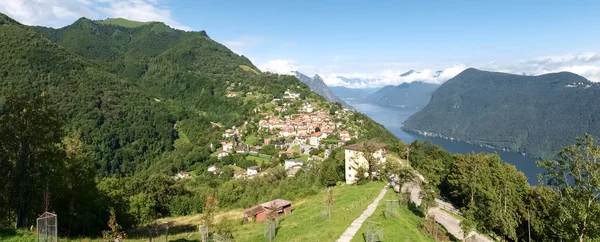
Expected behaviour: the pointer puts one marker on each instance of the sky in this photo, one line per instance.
(372, 40)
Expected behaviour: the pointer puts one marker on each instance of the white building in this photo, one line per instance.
(292, 163)
(307, 107)
(316, 138)
(291, 95)
(227, 146)
(222, 154)
(355, 158)
(253, 170)
(182, 174)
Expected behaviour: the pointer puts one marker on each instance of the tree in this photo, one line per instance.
(428, 194)
(271, 223)
(115, 233)
(575, 179)
(30, 154)
(210, 208)
(330, 171)
(329, 201)
(399, 172)
(370, 152)
(314, 152)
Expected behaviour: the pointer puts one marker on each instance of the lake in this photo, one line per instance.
(392, 119)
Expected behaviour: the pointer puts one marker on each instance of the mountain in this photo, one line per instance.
(536, 115)
(411, 95)
(352, 94)
(143, 97)
(408, 73)
(124, 90)
(140, 102)
(318, 85)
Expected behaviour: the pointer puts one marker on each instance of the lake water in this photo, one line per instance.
(392, 119)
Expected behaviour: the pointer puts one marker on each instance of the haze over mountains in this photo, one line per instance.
(410, 95)
(532, 114)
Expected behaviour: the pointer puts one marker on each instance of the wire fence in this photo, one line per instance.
(392, 209)
(47, 228)
(374, 232)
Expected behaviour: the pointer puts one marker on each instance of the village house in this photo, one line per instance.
(222, 154)
(228, 133)
(289, 164)
(316, 138)
(355, 158)
(214, 170)
(227, 146)
(345, 136)
(182, 174)
(300, 139)
(280, 145)
(242, 148)
(307, 108)
(259, 212)
(287, 153)
(237, 174)
(289, 131)
(291, 95)
(344, 133)
(255, 150)
(253, 170)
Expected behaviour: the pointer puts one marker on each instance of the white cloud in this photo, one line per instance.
(58, 13)
(391, 77)
(278, 66)
(584, 64)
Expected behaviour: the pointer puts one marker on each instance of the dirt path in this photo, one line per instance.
(355, 226)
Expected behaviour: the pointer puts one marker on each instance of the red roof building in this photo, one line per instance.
(259, 212)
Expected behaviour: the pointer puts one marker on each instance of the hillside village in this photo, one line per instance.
(289, 131)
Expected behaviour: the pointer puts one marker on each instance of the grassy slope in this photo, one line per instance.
(405, 228)
(123, 22)
(306, 223)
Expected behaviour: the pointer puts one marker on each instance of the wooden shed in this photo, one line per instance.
(259, 212)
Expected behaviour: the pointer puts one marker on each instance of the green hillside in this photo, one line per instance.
(123, 22)
(536, 115)
(136, 106)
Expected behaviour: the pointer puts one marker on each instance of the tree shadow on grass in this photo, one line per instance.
(7, 232)
(186, 240)
(415, 209)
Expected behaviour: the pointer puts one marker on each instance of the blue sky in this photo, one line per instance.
(368, 39)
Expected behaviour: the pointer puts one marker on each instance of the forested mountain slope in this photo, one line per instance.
(532, 114)
(130, 93)
(411, 95)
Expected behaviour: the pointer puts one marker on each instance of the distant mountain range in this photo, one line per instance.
(536, 115)
(317, 85)
(410, 95)
(353, 94)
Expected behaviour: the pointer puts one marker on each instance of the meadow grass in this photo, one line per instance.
(123, 22)
(307, 222)
(404, 228)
